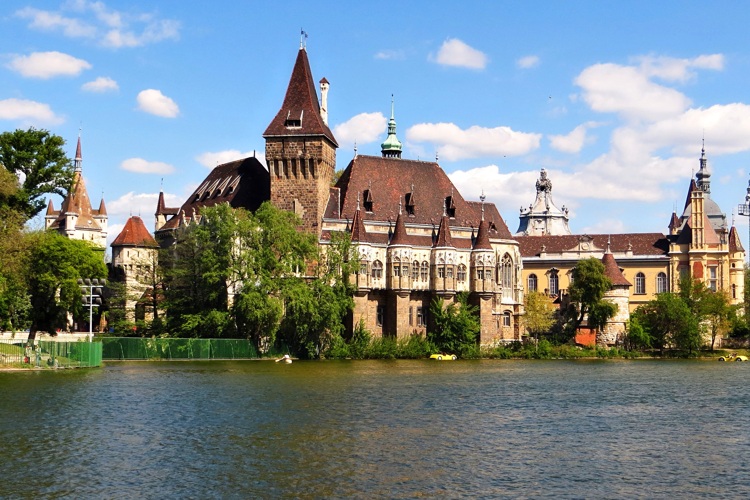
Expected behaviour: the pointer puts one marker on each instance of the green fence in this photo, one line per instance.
(122, 348)
(51, 354)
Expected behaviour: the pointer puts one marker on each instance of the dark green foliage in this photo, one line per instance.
(37, 156)
(668, 321)
(636, 338)
(586, 292)
(455, 326)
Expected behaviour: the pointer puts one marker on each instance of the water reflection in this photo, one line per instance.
(367, 429)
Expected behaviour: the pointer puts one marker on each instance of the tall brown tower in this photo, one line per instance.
(301, 149)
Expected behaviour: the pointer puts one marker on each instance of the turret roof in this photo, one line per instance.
(134, 234)
(612, 270)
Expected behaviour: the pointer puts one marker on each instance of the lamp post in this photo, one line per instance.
(744, 209)
(92, 297)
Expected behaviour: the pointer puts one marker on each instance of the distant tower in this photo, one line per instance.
(301, 149)
(391, 148)
(76, 219)
(543, 217)
(703, 177)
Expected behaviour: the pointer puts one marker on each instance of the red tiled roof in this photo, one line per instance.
(674, 222)
(640, 243)
(162, 209)
(300, 104)
(444, 239)
(612, 270)
(386, 181)
(735, 245)
(483, 241)
(399, 233)
(359, 233)
(134, 234)
(242, 183)
(77, 202)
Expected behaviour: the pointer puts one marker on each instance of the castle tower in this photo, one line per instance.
(391, 147)
(543, 218)
(135, 254)
(301, 149)
(618, 294)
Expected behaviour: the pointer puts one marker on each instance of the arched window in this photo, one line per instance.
(661, 283)
(506, 318)
(506, 275)
(532, 283)
(640, 284)
(424, 271)
(461, 272)
(377, 269)
(554, 283)
(415, 270)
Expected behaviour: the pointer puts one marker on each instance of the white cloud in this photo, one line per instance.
(454, 143)
(211, 159)
(141, 166)
(611, 88)
(46, 65)
(101, 84)
(454, 52)
(154, 102)
(94, 20)
(528, 62)
(390, 54)
(363, 128)
(28, 112)
(678, 70)
(573, 141)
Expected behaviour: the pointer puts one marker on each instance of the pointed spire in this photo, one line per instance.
(612, 270)
(359, 233)
(102, 209)
(735, 245)
(443, 238)
(399, 233)
(79, 158)
(50, 208)
(391, 147)
(704, 176)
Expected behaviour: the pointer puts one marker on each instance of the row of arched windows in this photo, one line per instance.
(532, 283)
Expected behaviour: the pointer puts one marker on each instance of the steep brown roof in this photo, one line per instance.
(612, 270)
(735, 245)
(399, 233)
(359, 233)
(102, 209)
(384, 182)
(162, 209)
(674, 222)
(483, 240)
(134, 234)
(51, 208)
(654, 244)
(693, 187)
(444, 239)
(77, 202)
(300, 112)
(241, 183)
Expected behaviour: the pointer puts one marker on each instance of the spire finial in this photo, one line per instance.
(357, 202)
(392, 108)
(399, 206)
(609, 244)
(445, 207)
(302, 39)
(355, 148)
(391, 148)
(482, 198)
(436, 157)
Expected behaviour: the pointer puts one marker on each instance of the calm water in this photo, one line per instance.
(378, 429)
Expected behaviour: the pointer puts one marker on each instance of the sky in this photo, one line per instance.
(614, 99)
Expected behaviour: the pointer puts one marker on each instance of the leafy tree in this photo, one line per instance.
(456, 326)
(14, 301)
(717, 312)
(36, 157)
(669, 321)
(587, 291)
(636, 337)
(540, 314)
(55, 265)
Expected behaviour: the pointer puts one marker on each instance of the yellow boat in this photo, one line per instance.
(733, 357)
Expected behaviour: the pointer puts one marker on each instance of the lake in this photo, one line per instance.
(378, 429)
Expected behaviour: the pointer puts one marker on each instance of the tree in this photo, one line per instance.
(589, 284)
(717, 312)
(669, 321)
(540, 314)
(37, 158)
(14, 301)
(55, 265)
(456, 326)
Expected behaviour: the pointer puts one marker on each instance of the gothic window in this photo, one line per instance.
(640, 284)
(379, 315)
(506, 275)
(532, 283)
(396, 269)
(377, 269)
(424, 271)
(480, 273)
(363, 268)
(441, 271)
(461, 275)
(415, 270)
(506, 318)
(420, 316)
(661, 283)
(554, 283)
(449, 271)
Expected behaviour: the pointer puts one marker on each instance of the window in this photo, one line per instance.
(415, 270)
(661, 283)
(734, 291)
(424, 271)
(377, 269)
(712, 278)
(420, 316)
(554, 283)
(449, 271)
(461, 272)
(411, 316)
(363, 268)
(506, 318)
(640, 284)
(379, 315)
(397, 270)
(441, 271)
(480, 273)
(506, 275)
(532, 283)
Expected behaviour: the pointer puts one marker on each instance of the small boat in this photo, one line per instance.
(285, 359)
(733, 357)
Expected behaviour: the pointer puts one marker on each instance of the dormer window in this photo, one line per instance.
(293, 121)
(450, 207)
(367, 202)
(410, 204)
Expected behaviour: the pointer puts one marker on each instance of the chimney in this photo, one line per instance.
(324, 100)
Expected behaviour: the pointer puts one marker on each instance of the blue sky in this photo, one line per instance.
(612, 98)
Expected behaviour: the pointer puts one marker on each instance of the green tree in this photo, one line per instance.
(717, 314)
(36, 157)
(540, 314)
(455, 326)
(14, 300)
(669, 321)
(636, 337)
(586, 291)
(55, 265)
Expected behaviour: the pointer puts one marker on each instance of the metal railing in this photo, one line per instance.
(50, 354)
(136, 348)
